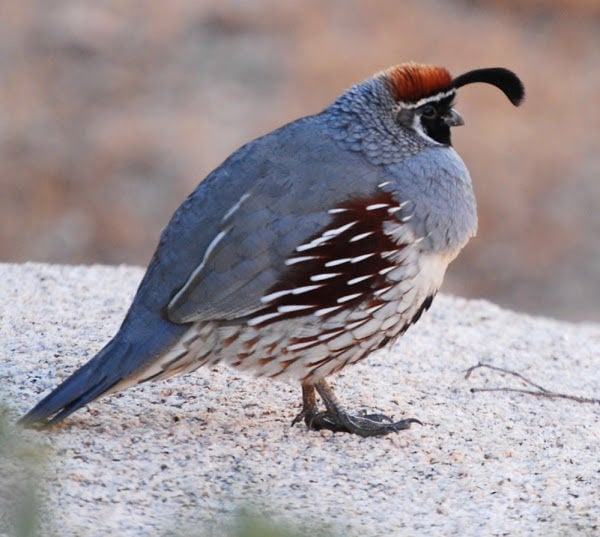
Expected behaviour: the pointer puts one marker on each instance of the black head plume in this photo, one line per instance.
(503, 79)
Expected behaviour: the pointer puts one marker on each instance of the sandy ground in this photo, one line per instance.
(185, 455)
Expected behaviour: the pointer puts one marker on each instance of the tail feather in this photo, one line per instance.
(90, 381)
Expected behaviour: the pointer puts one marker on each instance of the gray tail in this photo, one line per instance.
(90, 381)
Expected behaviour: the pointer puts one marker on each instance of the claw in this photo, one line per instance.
(336, 419)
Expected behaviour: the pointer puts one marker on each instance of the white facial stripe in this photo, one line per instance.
(425, 100)
(418, 128)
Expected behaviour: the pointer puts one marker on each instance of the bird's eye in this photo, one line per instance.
(428, 111)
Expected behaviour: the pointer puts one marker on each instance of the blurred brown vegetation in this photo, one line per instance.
(111, 112)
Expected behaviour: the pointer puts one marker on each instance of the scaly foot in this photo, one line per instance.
(336, 419)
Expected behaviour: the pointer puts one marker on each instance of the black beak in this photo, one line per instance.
(453, 118)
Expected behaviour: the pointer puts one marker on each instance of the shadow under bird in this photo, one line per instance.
(305, 251)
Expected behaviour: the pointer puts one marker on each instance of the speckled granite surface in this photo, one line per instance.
(184, 454)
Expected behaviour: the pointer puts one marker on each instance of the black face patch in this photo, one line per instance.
(432, 116)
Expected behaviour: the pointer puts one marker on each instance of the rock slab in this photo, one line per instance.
(183, 456)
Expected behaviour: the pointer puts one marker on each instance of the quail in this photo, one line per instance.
(305, 251)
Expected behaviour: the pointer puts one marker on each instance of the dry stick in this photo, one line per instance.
(542, 392)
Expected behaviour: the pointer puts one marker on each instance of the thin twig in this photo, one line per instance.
(541, 391)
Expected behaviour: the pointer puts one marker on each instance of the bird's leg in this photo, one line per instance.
(309, 405)
(336, 419)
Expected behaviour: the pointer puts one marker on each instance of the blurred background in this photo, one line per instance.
(111, 112)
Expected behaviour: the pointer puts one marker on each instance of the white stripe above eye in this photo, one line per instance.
(428, 99)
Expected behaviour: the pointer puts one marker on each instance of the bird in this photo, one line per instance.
(305, 251)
